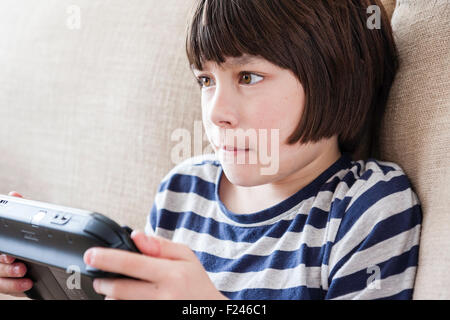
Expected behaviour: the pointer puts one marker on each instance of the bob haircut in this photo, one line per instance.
(345, 67)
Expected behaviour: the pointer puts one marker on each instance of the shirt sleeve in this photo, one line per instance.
(154, 217)
(375, 252)
(150, 229)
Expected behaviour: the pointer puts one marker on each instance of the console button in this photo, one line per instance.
(66, 217)
(36, 220)
(61, 219)
(127, 229)
(101, 231)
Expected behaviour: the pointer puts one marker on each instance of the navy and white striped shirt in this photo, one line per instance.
(352, 233)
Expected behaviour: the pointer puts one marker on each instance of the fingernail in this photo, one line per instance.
(16, 270)
(89, 256)
(96, 284)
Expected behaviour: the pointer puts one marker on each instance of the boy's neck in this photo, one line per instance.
(236, 198)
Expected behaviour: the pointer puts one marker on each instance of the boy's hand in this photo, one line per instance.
(12, 273)
(166, 270)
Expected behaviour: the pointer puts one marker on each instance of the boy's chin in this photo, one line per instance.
(245, 175)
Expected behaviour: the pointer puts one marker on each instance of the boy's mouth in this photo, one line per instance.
(233, 149)
(226, 148)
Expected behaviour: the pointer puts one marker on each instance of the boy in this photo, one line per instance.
(319, 226)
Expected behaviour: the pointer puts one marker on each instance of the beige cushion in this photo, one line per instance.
(87, 114)
(90, 112)
(416, 132)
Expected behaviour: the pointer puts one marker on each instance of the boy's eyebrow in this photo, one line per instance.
(234, 61)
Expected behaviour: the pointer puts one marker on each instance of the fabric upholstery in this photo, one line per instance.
(416, 130)
(90, 112)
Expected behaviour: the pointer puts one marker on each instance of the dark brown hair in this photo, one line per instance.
(346, 68)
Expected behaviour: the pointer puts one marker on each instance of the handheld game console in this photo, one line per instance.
(51, 240)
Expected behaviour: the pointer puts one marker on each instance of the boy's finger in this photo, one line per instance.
(17, 270)
(147, 245)
(160, 247)
(15, 194)
(127, 263)
(11, 286)
(6, 259)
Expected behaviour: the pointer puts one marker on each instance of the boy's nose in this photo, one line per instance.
(223, 114)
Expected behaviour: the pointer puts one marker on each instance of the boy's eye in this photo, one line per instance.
(246, 77)
(204, 82)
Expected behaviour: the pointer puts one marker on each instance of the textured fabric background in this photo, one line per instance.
(88, 114)
(416, 131)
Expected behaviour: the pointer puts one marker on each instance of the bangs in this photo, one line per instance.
(345, 68)
(221, 29)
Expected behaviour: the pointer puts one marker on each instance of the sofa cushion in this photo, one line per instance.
(416, 130)
(88, 113)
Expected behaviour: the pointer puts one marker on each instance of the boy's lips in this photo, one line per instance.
(230, 148)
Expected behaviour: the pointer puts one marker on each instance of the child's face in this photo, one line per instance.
(242, 100)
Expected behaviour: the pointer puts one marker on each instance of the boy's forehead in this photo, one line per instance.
(242, 60)
(231, 62)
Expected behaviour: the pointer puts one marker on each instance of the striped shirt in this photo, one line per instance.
(352, 233)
